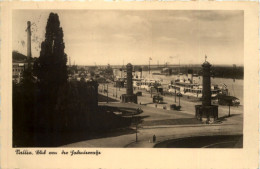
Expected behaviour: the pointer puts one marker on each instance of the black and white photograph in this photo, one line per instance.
(128, 78)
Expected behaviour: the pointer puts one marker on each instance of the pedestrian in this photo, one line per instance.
(154, 138)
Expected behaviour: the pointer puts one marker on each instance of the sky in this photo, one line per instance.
(119, 37)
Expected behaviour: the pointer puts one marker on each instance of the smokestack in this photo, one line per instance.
(181, 78)
(190, 75)
(141, 74)
(29, 51)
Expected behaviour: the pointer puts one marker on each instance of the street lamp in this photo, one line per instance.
(229, 104)
(136, 138)
(175, 93)
(136, 125)
(116, 91)
(107, 93)
(179, 100)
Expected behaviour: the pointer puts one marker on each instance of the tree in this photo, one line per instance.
(50, 68)
(51, 72)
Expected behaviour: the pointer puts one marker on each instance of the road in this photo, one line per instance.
(187, 106)
(165, 124)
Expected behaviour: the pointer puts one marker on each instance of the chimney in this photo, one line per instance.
(29, 51)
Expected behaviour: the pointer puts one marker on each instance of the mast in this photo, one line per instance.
(179, 66)
(149, 63)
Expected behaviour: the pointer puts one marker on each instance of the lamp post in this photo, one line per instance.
(229, 108)
(175, 93)
(134, 120)
(116, 91)
(179, 100)
(107, 93)
(136, 138)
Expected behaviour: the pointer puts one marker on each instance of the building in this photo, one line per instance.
(18, 68)
(19, 65)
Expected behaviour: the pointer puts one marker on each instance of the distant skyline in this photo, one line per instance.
(119, 37)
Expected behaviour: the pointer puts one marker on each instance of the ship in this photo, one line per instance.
(189, 88)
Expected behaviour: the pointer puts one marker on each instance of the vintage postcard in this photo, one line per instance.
(129, 85)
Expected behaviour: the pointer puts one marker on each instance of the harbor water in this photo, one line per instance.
(235, 87)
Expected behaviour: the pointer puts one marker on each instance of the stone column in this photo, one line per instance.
(206, 112)
(129, 89)
(206, 90)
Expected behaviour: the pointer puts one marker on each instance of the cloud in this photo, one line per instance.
(217, 15)
(182, 18)
(123, 38)
(164, 40)
(136, 34)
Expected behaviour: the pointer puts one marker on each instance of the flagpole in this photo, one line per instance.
(149, 64)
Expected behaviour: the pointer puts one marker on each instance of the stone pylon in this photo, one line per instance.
(129, 96)
(206, 112)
